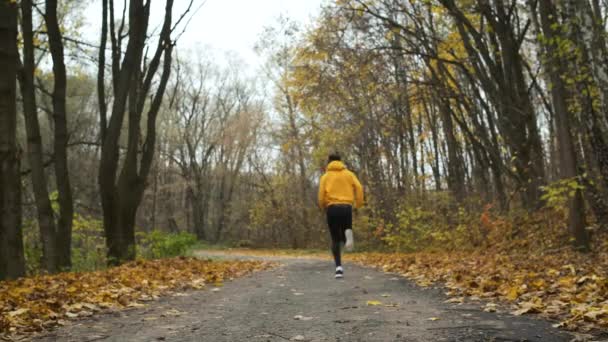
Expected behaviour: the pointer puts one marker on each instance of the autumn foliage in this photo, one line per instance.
(566, 286)
(37, 303)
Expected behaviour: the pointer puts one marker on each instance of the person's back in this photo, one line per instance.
(340, 186)
(339, 189)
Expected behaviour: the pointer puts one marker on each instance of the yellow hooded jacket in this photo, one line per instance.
(339, 186)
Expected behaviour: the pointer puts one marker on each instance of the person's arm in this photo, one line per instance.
(322, 193)
(358, 192)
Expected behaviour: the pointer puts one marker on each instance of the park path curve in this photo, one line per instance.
(301, 301)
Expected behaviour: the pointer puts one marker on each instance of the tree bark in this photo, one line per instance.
(568, 164)
(594, 130)
(62, 176)
(12, 260)
(430, 112)
(455, 163)
(46, 220)
(101, 72)
(122, 188)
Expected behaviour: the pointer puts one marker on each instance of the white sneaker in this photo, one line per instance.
(350, 240)
(339, 272)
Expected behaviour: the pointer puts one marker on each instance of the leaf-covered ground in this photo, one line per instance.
(570, 287)
(302, 301)
(38, 303)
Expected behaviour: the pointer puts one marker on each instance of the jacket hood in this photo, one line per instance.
(336, 165)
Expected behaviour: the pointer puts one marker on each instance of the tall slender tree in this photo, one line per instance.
(560, 96)
(12, 261)
(44, 209)
(55, 235)
(61, 137)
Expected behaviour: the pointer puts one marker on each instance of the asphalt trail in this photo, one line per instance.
(301, 301)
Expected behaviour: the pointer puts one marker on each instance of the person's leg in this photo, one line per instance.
(348, 228)
(335, 250)
(333, 222)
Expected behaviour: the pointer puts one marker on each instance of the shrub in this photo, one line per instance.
(88, 244)
(158, 244)
(32, 247)
(436, 221)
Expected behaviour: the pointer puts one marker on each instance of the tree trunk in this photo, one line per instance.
(432, 122)
(12, 261)
(595, 145)
(593, 40)
(121, 189)
(518, 116)
(496, 164)
(46, 220)
(568, 165)
(222, 203)
(198, 209)
(303, 181)
(455, 165)
(567, 156)
(64, 190)
(498, 65)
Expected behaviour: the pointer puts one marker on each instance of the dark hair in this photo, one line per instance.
(333, 157)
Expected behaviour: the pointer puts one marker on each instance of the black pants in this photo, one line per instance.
(339, 219)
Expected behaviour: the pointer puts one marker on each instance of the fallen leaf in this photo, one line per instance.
(17, 312)
(173, 312)
(458, 300)
(71, 315)
(45, 301)
(512, 294)
(526, 307)
(490, 307)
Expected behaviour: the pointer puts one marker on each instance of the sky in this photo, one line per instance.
(224, 25)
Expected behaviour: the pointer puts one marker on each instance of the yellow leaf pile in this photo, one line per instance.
(566, 286)
(33, 304)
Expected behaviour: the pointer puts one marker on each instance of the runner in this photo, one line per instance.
(339, 189)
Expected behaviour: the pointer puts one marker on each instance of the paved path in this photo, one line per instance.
(301, 301)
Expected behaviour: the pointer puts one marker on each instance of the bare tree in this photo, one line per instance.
(122, 181)
(193, 118)
(55, 236)
(44, 209)
(61, 137)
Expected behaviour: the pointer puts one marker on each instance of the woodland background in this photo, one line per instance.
(472, 124)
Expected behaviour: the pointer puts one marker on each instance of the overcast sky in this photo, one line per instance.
(224, 25)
